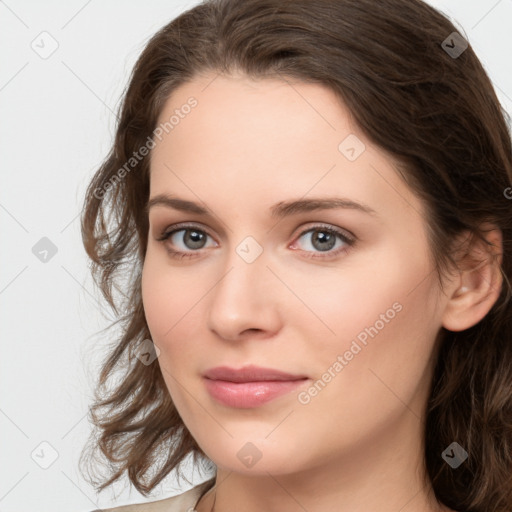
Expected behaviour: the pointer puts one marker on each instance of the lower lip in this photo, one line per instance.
(246, 395)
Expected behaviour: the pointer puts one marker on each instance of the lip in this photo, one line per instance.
(250, 386)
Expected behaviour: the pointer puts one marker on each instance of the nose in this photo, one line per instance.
(245, 300)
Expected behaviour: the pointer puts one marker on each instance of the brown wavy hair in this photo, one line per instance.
(436, 113)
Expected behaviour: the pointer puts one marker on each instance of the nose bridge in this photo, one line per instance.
(245, 265)
(244, 269)
(241, 298)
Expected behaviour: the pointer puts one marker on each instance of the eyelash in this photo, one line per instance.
(167, 233)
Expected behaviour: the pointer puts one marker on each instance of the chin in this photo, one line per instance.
(253, 457)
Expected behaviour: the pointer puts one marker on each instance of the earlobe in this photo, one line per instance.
(478, 285)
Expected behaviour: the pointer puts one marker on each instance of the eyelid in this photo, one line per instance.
(328, 227)
(169, 230)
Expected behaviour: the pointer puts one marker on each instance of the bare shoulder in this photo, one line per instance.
(184, 502)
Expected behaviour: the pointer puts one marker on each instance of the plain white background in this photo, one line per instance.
(57, 125)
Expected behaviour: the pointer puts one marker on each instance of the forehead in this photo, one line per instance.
(269, 140)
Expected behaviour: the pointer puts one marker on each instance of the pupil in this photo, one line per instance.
(323, 237)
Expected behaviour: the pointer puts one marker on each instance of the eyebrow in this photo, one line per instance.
(278, 210)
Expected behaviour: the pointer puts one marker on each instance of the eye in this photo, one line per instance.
(190, 237)
(323, 239)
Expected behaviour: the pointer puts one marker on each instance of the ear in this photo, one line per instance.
(478, 284)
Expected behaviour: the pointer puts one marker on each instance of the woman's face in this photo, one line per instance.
(257, 282)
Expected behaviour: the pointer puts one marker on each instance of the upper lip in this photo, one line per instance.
(249, 374)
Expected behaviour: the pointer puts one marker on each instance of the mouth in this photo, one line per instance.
(250, 373)
(250, 386)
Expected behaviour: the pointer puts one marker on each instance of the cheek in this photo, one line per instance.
(380, 310)
(172, 302)
(168, 302)
(156, 299)
(165, 294)
(330, 306)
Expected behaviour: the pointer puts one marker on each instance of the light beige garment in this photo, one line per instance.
(184, 502)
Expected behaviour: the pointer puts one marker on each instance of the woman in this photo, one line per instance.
(311, 202)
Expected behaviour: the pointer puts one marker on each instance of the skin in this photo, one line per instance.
(358, 444)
